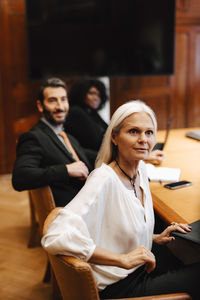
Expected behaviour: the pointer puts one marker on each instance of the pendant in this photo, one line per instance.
(134, 188)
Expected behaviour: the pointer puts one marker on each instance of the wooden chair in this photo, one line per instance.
(34, 225)
(20, 126)
(76, 281)
(41, 204)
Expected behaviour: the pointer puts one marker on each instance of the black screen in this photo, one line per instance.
(100, 37)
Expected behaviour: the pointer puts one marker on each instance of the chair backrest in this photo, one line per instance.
(74, 277)
(43, 202)
(24, 124)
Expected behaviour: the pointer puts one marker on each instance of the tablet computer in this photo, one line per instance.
(193, 134)
(193, 235)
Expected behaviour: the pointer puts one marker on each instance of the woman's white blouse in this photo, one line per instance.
(103, 214)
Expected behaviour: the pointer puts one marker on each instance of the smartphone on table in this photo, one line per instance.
(177, 184)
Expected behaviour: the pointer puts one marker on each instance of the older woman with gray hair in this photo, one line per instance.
(110, 223)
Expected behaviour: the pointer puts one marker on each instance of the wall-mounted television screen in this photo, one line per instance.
(100, 37)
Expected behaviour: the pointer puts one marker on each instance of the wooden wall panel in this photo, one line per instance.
(193, 101)
(154, 90)
(2, 126)
(160, 104)
(18, 90)
(187, 11)
(187, 76)
(180, 84)
(5, 81)
(3, 160)
(10, 58)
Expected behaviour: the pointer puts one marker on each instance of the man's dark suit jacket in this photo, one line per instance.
(41, 159)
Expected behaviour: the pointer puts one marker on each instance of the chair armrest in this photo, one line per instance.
(51, 216)
(177, 296)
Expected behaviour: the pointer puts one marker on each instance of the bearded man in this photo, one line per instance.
(46, 155)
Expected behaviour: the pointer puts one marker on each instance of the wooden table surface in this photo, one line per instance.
(181, 205)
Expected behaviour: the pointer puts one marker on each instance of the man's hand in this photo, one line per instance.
(78, 169)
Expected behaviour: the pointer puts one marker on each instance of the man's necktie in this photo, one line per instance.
(69, 145)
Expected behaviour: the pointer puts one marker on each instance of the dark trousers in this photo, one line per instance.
(169, 276)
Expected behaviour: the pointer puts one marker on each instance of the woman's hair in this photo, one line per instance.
(108, 151)
(79, 90)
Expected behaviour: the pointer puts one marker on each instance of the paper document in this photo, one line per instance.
(163, 173)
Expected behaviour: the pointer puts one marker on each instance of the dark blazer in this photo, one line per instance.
(41, 159)
(86, 126)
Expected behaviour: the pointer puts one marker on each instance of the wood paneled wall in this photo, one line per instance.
(177, 95)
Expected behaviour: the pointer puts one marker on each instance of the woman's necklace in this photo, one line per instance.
(132, 179)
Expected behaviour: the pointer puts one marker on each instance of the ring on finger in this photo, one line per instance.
(174, 223)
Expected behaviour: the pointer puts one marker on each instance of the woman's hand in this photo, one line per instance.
(137, 257)
(164, 237)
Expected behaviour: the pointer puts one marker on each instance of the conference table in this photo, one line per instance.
(181, 205)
